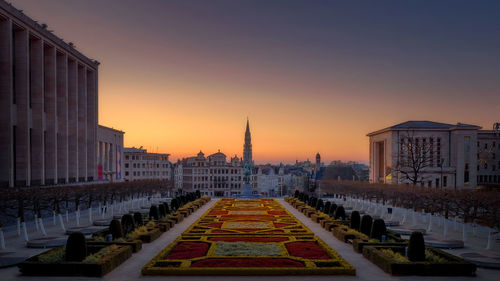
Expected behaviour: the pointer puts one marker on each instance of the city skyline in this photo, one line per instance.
(312, 77)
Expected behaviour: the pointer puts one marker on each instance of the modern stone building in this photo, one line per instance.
(445, 154)
(109, 154)
(48, 106)
(488, 150)
(141, 165)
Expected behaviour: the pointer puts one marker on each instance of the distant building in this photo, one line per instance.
(48, 106)
(109, 154)
(488, 151)
(141, 165)
(213, 175)
(272, 180)
(177, 170)
(446, 152)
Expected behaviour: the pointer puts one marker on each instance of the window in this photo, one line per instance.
(126, 165)
(437, 182)
(445, 181)
(429, 184)
(126, 173)
(466, 174)
(485, 145)
(126, 157)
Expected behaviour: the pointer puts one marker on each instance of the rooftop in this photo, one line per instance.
(426, 125)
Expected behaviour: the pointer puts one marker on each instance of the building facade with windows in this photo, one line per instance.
(488, 151)
(444, 155)
(109, 154)
(141, 165)
(48, 106)
(213, 175)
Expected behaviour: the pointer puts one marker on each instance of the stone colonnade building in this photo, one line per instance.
(109, 154)
(449, 156)
(48, 106)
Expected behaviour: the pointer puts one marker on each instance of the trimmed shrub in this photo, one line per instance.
(198, 194)
(153, 213)
(366, 225)
(328, 205)
(296, 194)
(378, 229)
(161, 210)
(355, 220)
(320, 205)
(332, 209)
(128, 224)
(174, 204)
(306, 199)
(416, 247)
(138, 218)
(115, 228)
(76, 247)
(167, 209)
(313, 202)
(340, 213)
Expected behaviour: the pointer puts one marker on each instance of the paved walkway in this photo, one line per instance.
(131, 269)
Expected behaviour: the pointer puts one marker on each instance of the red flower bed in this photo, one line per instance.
(247, 216)
(307, 250)
(279, 225)
(249, 239)
(249, 262)
(214, 225)
(248, 229)
(188, 250)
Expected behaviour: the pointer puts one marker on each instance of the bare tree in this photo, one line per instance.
(414, 157)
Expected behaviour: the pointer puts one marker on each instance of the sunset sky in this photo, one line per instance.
(312, 76)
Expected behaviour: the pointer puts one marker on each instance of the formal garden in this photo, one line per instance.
(97, 228)
(248, 237)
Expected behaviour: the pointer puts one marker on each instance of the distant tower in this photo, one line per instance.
(247, 147)
(318, 161)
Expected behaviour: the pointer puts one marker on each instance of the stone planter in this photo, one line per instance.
(454, 266)
(33, 266)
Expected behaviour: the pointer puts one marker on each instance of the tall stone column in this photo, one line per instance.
(82, 123)
(62, 117)
(37, 113)
(6, 142)
(72, 120)
(91, 125)
(50, 104)
(21, 96)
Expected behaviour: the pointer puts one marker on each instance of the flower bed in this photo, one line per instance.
(52, 262)
(222, 255)
(259, 218)
(391, 260)
(247, 237)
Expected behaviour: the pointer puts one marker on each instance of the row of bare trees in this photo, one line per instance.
(481, 206)
(23, 203)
